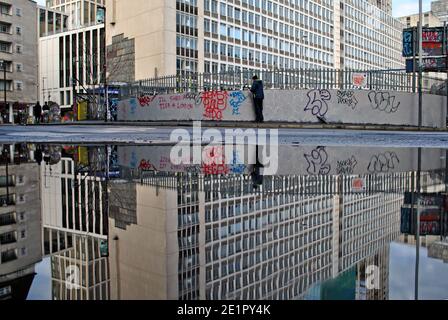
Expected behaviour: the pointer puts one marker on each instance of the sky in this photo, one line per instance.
(406, 7)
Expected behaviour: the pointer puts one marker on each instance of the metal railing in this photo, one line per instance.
(392, 80)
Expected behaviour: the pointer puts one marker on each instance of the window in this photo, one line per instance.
(19, 67)
(5, 47)
(18, 12)
(5, 8)
(19, 49)
(19, 87)
(19, 30)
(4, 28)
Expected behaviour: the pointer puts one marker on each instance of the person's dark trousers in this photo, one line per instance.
(258, 110)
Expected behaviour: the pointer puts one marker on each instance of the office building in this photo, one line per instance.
(81, 13)
(18, 54)
(169, 37)
(74, 54)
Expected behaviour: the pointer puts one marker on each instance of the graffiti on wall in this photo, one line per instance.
(215, 102)
(348, 98)
(346, 166)
(318, 102)
(236, 99)
(383, 101)
(317, 161)
(383, 162)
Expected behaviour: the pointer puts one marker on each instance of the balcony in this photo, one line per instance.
(8, 238)
(7, 219)
(6, 201)
(9, 255)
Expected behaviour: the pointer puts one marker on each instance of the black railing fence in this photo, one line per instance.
(391, 80)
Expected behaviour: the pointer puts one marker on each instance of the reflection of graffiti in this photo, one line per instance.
(237, 98)
(317, 161)
(134, 160)
(145, 165)
(237, 165)
(214, 160)
(317, 102)
(383, 101)
(383, 162)
(348, 98)
(346, 166)
(145, 101)
(215, 102)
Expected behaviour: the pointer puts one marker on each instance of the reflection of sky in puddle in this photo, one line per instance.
(433, 283)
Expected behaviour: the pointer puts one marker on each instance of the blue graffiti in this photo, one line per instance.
(133, 103)
(134, 161)
(237, 98)
(237, 165)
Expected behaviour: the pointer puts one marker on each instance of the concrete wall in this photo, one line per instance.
(152, 24)
(297, 160)
(299, 106)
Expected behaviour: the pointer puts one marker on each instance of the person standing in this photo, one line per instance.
(258, 92)
(37, 112)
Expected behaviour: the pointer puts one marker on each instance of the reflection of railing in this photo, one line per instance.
(395, 80)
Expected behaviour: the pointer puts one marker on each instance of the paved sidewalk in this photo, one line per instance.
(233, 124)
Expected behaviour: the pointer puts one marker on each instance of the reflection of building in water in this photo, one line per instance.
(75, 229)
(20, 223)
(186, 236)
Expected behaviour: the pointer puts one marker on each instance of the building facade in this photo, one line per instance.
(80, 12)
(20, 224)
(175, 36)
(214, 237)
(74, 54)
(18, 52)
(440, 10)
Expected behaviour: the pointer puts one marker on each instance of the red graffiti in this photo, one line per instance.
(145, 101)
(215, 102)
(145, 165)
(214, 161)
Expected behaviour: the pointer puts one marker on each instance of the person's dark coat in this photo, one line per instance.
(257, 89)
(46, 107)
(37, 110)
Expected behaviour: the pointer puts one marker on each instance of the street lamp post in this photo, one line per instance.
(3, 64)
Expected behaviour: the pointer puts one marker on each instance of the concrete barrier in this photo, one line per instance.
(293, 160)
(295, 106)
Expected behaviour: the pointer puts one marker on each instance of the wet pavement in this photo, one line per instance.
(331, 215)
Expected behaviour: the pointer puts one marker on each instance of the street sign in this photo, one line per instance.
(432, 42)
(358, 185)
(359, 79)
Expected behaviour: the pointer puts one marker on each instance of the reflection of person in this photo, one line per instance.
(257, 177)
(37, 112)
(258, 92)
